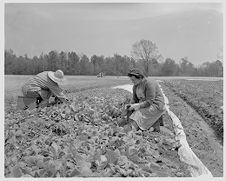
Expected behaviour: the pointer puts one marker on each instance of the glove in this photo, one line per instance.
(134, 107)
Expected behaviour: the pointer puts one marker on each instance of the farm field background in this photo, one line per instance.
(13, 83)
(73, 83)
(103, 107)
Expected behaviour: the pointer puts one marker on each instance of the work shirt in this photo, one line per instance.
(42, 82)
(147, 92)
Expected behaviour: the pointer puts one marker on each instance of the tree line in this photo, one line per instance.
(145, 56)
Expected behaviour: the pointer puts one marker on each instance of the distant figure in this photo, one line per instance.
(100, 74)
(44, 85)
(147, 105)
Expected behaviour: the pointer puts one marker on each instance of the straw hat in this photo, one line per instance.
(57, 76)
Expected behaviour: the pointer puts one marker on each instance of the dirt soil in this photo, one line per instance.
(200, 136)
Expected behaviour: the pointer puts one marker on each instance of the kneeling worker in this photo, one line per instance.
(147, 104)
(43, 86)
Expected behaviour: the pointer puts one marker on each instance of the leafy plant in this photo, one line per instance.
(81, 139)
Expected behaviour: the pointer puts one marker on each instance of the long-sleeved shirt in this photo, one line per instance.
(147, 92)
(43, 81)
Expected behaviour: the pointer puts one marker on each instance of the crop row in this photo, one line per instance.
(206, 97)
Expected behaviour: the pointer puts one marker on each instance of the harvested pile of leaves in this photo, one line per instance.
(83, 139)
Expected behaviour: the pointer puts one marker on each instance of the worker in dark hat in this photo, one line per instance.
(147, 103)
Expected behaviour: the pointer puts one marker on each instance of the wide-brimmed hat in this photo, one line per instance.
(57, 76)
(136, 72)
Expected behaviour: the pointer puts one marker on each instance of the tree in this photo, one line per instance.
(84, 65)
(43, 63)
(145, 51)
(120, 67)
(170, 68)
(73, 65)
(186, 67)
(21, 66)
(63, 62)
(52, 60)
(219, 67)
(211, 69)
(127, 64)
(10, 61)
(97, 62)
(36, 64)
(109, 66)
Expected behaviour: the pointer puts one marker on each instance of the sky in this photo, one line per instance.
(192, 30)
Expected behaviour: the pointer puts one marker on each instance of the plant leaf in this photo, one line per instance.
(16, 171)
(75, 172)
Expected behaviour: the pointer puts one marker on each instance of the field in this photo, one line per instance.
(206, 97)
(84, 139)
(200, 136)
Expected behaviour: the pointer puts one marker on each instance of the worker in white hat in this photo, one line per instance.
(44, 85)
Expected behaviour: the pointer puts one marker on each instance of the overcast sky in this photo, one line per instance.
(179, 30)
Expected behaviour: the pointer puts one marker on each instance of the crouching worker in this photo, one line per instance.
(43, 86)
(147, 105)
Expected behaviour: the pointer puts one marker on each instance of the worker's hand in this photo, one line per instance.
(67, 100)
(134, 107)
(127, 106)
(44, 103)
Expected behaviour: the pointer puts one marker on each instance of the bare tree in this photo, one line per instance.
(146, 51)
(220, 55)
